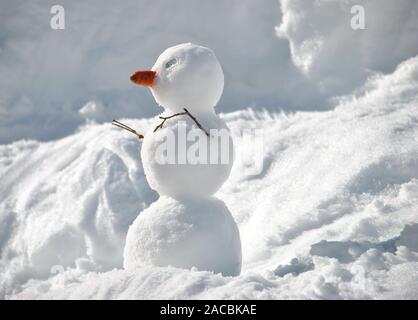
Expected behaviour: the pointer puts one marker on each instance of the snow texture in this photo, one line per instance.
(339, 58)
(332, 215)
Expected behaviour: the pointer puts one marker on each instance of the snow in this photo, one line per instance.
(188, 75)
(51, 74)
(191, 232)
(201, 169)
(339, 58)
(332, 215)
(333, 212)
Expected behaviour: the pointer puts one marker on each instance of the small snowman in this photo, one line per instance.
(187, 156)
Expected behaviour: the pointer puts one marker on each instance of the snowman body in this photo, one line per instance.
(190, 232)
(180, 160)
(186, 227)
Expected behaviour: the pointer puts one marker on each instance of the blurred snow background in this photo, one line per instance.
(332, 215)
(49, 75)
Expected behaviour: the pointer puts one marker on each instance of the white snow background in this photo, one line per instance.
(333, 214)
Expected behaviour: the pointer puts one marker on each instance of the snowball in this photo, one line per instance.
(188, 75)
(179, 171)
(192, 232)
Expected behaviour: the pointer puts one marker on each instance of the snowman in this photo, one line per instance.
(187, 156)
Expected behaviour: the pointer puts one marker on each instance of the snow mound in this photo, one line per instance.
(332, 214)
(77, 198)
(191, 232)
(338, 57)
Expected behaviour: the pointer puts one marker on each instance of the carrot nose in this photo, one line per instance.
(144, 78)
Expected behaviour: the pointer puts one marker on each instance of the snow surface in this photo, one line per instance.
(333, 214)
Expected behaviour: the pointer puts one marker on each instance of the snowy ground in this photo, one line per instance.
(333, 214)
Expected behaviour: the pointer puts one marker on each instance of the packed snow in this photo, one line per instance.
(333, 214)
(191, 232)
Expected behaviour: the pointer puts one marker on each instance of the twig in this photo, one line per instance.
(124, 126)
(186, 112)
(197, 122)
(160, 126)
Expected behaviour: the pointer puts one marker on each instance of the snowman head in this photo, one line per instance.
(184, 76)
